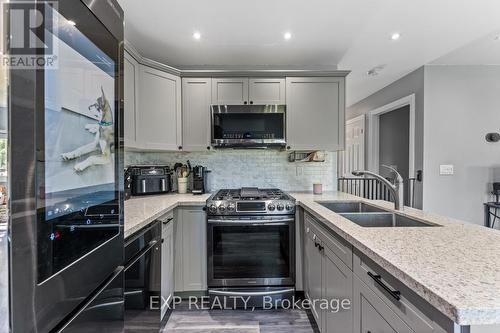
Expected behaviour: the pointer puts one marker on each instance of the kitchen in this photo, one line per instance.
(184, 176)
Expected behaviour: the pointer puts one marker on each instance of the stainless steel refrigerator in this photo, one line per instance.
(65, 170)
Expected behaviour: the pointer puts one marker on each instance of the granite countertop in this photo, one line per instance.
(455, 267)
(140, 211)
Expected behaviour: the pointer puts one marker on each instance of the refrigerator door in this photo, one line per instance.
(66, 166)
(103, 312)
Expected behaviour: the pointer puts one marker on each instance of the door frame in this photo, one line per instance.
(373, 135)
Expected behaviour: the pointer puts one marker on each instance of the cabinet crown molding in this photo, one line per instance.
(231, 72)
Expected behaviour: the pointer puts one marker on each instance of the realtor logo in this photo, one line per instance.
(31, 26)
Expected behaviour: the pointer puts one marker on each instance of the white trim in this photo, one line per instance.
(355, 119)
(373, 126)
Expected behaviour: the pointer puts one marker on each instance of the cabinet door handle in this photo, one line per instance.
(168, 220)
(251, 102)
(378, 279)
(180, 147)
(245, 102)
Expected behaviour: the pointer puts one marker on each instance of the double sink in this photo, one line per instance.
(369, 216)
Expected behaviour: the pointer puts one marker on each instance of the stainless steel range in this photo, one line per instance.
(251, 244)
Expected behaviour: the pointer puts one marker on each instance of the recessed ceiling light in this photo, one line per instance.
(70, 22)
(497, 38)
(287, 35)
(196, 35)
(395, 36)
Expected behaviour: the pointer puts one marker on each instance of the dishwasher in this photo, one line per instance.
(143, 279)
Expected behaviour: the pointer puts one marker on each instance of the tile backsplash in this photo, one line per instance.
(260, 168)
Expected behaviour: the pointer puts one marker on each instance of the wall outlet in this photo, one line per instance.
(299, 171)
(446, 169)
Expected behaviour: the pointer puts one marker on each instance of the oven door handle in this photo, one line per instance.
(250, 293)
(252, 222)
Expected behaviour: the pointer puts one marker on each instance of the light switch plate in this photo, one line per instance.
(446, 169)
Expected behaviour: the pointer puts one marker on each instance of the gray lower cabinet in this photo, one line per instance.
(337, 285)
(372, 315)
(196, 100)
(313, 266)
(190, 252)
(167, 261)
(326, 278)
(315, 113)
(158, 120)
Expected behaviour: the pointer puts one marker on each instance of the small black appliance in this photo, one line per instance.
(150, 179)
(200, 180)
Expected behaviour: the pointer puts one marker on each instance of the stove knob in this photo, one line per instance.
(280, 206)
(289, 206)
(271, 207)
(222, 208)
(231, 207)
(212, 208)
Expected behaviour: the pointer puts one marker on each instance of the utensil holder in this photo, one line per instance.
(182, 185)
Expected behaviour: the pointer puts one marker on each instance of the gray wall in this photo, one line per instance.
(412, 83)
(394, 129)
(462, 104)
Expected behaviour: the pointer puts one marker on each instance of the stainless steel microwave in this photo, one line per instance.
(248, 126)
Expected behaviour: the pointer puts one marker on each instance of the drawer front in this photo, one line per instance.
(339, 246)
(372, 315)
(386, 287)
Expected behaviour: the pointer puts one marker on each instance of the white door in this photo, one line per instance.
(353, 157)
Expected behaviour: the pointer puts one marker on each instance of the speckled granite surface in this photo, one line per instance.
(140, 211)
(456, 267)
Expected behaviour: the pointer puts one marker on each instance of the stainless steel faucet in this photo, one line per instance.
(397, 189)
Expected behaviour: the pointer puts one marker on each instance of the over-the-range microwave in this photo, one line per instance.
(248, 126)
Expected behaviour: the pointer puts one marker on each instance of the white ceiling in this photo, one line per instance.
(348, 34)
(483, 51)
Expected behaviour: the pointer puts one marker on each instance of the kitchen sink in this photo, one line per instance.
(371, 220)
(351, 207)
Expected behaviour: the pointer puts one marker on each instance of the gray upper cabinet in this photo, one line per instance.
(196, 100)
(266, 91)
(159, 114)
(315, 113)
(131, 76)
(231, 91)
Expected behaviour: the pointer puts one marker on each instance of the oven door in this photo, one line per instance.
(251, 251)
(248, 125)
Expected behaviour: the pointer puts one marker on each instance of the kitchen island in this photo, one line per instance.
(454, 267)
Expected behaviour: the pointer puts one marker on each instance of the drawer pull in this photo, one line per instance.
(378, 279)
(319, 246)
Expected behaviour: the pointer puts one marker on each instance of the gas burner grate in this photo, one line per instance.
(258, 194)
